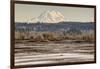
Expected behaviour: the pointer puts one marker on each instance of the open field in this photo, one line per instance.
(68, 51)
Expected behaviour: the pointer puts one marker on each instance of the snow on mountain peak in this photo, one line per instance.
(50, 17)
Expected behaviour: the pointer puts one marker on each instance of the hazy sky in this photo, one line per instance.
(25, 12)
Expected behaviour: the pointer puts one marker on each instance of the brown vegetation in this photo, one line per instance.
(45, 37)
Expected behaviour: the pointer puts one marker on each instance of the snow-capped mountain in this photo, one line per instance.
(49, 17)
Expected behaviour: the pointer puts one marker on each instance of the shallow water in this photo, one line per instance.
(46, 53)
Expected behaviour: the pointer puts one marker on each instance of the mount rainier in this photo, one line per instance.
(48, 17)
